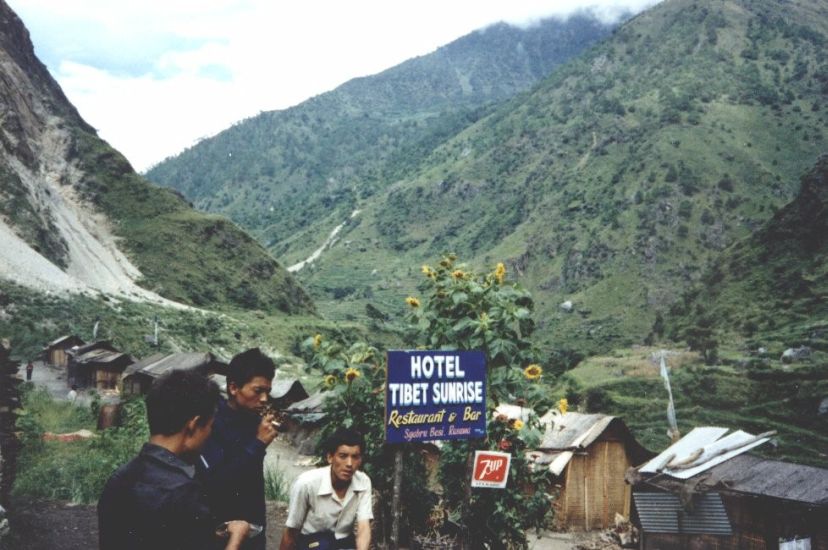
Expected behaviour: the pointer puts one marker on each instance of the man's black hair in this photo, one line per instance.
(178, 396)
(249, 364)
(344, 436)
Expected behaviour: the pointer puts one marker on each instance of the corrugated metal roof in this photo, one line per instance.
(703, 448)
(663, 513)
(754, 475)
(570, 433)
(135, 367)
(157, 364)
(572, 430)
(61, 340)
(313, 404)
(99, 356)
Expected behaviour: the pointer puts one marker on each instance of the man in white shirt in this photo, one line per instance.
(325, 503)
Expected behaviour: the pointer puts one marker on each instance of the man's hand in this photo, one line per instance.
(238, 532)
(267, 431)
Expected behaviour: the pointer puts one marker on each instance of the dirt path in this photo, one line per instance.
(64, 526)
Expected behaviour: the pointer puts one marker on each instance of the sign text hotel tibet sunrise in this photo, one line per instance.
(435, 395)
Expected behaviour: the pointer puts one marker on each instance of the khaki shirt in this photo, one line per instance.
(314, 505)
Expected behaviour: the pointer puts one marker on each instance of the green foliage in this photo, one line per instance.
(276, 486)
(75, 471)
(462, 310)
(281, 173)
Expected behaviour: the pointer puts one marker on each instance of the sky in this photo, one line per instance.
(155, 77)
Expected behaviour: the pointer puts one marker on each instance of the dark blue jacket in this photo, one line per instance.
(154, 502)
(232, 469)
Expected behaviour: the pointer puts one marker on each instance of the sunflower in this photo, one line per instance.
(352, 374)
(317, 341)
(500, 272)
(330, 380)
(563, 405)
(412, 301)
(518, 424)
(427, 271)
(458, 274)
(533, 371)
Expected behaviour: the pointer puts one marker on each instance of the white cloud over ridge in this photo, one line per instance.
(158, 75)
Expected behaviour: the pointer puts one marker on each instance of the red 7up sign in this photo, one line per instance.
(491, 469)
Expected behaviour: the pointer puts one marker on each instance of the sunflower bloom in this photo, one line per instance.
(317, 341)
(533, 371)
(427, 271)
(500, 272)
(458, 274)
(412, 301)
(518, 424)
(330, 380)
(352, 374)
(563, 405)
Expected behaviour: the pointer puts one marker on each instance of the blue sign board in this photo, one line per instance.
(434, 395)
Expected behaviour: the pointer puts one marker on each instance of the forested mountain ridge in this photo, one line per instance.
(307, 167)
(618, 180)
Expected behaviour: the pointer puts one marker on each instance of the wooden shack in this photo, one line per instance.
(744, 502)
(138, 378)
(56, 353)
(589, 455)
(704, 492)
(98, 365)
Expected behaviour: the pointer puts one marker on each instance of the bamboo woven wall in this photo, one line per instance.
(594, 489)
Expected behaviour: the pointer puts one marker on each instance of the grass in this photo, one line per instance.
(77, 470)
(276, 486)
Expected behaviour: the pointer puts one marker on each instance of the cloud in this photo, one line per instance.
(157, 75)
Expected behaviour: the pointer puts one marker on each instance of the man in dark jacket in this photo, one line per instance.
(154, 502)
(232, 461)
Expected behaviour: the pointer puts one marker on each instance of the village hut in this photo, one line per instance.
(705, 492)
(589, 455)
(56, 353)
(285, 393)
(98, 365)
(138, 378)
(304, 420)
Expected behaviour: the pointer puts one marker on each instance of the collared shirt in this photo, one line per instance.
(231, 467)
(154, 502)
(314, 505)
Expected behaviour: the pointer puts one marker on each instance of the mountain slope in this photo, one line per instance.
(772, 287)
(289, 175)
(616, 181)
(76, 217)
